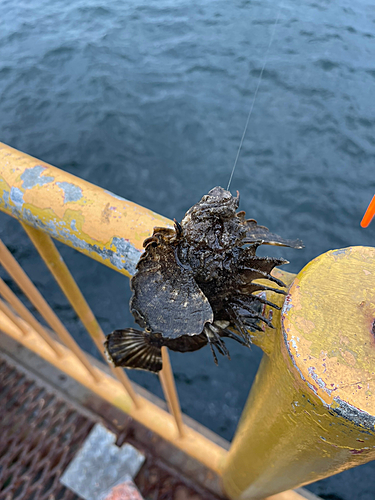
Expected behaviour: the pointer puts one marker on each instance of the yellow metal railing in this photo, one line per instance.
(311, 411)
(49, 202)
(61, 273)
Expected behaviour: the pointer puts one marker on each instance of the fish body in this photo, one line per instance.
(194, 284)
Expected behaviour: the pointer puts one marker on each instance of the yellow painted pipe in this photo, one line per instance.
(32, 293)
(13, 318)
(97, 223)
(311, 410)
(170, 392)
(55, 263)
(26, 315)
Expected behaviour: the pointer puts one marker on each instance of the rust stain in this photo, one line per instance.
(104, 219)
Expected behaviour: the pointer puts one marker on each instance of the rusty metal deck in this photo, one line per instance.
(45, 416)
(41, 432)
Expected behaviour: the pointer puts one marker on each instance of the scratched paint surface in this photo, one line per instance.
(328, 322)
(98, 223)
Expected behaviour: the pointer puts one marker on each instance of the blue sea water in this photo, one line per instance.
(149, 100)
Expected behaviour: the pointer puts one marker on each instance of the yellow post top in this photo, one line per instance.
(311, 409)
(328, 322)
(98, 223)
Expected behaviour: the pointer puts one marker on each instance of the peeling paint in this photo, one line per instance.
(49, 226)
(339, 251)
(69, 209)
(13, 205)
(6, 199)
(123, 257)
(293, 342)
(359, 417)
(285, 336)
(287, 305)
(318, 380)
(131, 254)
(16, 196)
(71, 192)
(121, 254)
(33, 177)
(7, 204)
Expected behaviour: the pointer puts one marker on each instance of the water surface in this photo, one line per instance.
(149, 100)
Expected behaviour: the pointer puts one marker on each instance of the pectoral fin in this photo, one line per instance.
(263, 236)
(130, 348)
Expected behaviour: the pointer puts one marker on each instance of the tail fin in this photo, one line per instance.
(130, 348)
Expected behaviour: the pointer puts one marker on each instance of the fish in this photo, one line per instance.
(194, 285)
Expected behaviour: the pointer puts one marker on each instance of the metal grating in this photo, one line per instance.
(157, 481)
(39, 435)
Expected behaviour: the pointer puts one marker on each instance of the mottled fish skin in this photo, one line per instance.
(194, 284)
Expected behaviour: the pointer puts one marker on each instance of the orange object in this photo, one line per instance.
(124, 491)
(369, 214)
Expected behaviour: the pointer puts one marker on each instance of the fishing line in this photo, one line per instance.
(255, 95)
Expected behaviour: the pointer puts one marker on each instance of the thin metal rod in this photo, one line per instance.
(26, 315)
(38, 301)
(197, 445)
(10, 314)
(55, 263)
(170, 392)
